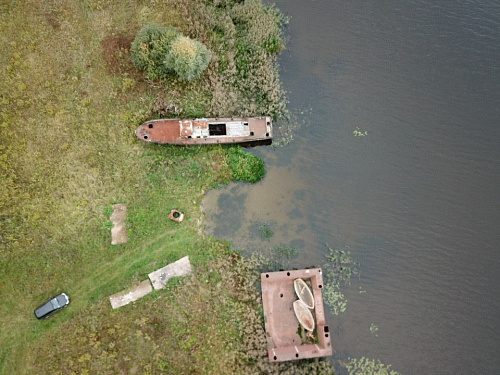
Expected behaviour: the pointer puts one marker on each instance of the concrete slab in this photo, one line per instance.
(159, 278)
(119, 231)
(281, 324)
(129, 295)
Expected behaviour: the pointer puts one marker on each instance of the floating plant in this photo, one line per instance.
(359, 133)
(373, 328)
(366, 366)
(337, 271)
(265, 231)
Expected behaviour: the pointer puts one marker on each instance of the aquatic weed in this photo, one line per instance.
(359, 133)
(281, 256)
(366, 366)
(337, 271)
(265, 231)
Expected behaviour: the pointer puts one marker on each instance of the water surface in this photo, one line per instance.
(416, 200)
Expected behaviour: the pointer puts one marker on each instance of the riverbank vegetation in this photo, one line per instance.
(70, 101)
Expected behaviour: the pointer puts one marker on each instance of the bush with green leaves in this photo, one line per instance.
(245, 166)
(188, 58)
(149, 48)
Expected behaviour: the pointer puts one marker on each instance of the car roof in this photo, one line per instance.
(44, 309)
(52, 305)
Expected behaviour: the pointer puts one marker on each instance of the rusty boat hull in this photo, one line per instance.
(243, 130)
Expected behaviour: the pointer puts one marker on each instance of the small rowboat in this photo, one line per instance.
(303, 315)
(304, 293)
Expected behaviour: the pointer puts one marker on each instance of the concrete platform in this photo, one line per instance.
(129, 295)
(281, 324)
(159, 278)
(119, 231)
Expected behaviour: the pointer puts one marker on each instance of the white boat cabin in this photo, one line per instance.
(201, 128)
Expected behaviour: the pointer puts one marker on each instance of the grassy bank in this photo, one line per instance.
(70, 100)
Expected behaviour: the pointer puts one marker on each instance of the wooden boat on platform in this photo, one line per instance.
(304, 293)
(303, 315)
(203, 131)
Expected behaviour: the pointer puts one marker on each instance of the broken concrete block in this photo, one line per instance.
(159, 278)
(119, 231)
(129, 295)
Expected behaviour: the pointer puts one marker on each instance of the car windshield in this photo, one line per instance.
(62, 300)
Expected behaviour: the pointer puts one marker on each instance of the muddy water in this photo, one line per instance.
(417, 200)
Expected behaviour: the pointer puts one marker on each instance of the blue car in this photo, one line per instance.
(52, 306)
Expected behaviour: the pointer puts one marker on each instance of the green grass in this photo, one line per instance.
(70, 102)
(245, 166)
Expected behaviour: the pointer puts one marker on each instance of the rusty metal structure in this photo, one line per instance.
(284, 343)
(245, 130)
(176, 215)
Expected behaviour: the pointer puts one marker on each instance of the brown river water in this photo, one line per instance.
(416, 200)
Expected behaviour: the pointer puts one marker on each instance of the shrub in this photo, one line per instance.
(245, 166)
(150, 47)
(188, 58)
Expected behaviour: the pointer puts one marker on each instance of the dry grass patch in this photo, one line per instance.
(116, 54)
